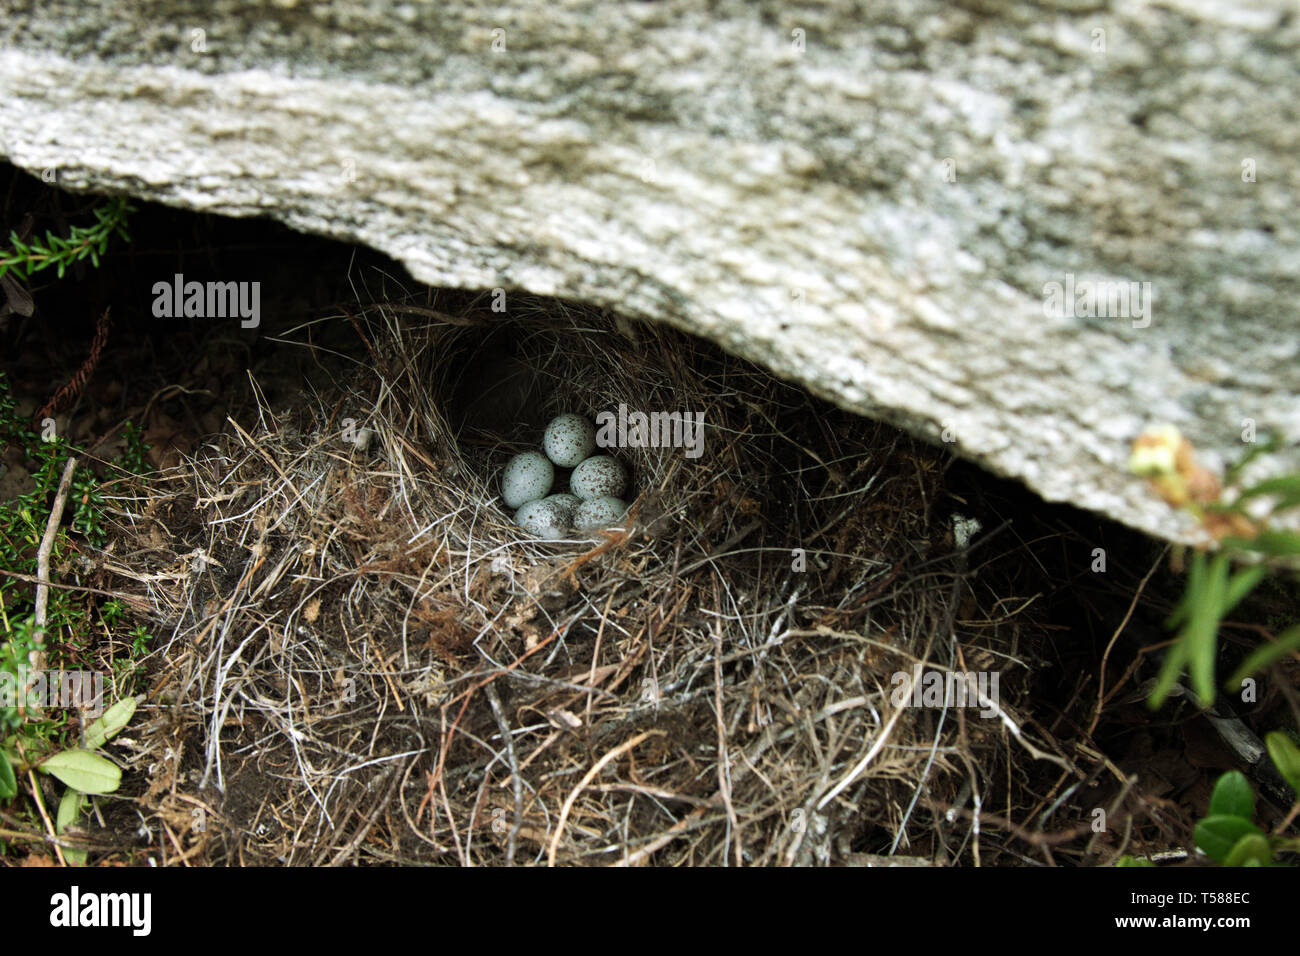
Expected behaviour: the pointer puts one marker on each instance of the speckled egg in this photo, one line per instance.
(599, 513)
(527, 477)
(597, 477)
(546, 518)
(566, 502)
(569, 439)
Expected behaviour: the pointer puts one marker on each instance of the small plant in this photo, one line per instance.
(40, 738)
(1228, 834)
(26, 258)
(1213, 589)
(140, 640)
(135, 458)
(85, 771)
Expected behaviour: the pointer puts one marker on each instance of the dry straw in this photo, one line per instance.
(368, 662)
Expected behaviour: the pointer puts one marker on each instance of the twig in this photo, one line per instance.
(877, 745)
(36, 657)
(364, 828)
(517, 784)
(428, 313)
(595, 657)
(40, 805)
(724, 764)
(1101, 682)
(464, 698)
(120, 595)
(64, 396)
(47, 545)
(662, 839)
(582, 784)
(45, 815)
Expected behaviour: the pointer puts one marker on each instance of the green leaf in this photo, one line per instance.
(1195, 584)
(1179, 614)
(85, 771)
(1175, 658)
(107, 725)
(1241, 584)
(1265, 655)
(8, 785)
(1286, 489)
(1202, 629)
(1127, 860)
(1286, 757)
(70, 808)
(1250, 850)
(1267, 542)
(1233, 797)
(1217, 835)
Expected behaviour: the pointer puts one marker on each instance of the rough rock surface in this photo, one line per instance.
(871, 199)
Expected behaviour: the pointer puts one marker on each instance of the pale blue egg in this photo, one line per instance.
(599, 513)
(597, 477)
(566, 502)
(527, 477)
(569, 439)
(545, 518)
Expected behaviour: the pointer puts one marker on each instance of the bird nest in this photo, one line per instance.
(367, 661)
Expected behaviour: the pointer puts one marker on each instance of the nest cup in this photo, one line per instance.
(499, 386)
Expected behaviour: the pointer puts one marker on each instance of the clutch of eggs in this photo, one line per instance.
(595, 486)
